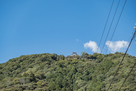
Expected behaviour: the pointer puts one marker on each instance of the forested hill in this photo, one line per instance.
(52, 72)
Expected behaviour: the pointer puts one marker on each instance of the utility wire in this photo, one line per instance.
(132, 67)
(127, 75)
(116, 25)
(105, 26)
(132, 32)
(110, 25)
(122, 59)
(131, 35)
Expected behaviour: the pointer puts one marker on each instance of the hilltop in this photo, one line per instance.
(52, 72)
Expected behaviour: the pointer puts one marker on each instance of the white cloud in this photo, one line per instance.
(92, 45)
(116, 46)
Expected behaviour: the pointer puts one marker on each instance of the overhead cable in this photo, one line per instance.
(127, 75)
(110, 25)
(133, 65)
(122, 58)
(105, 25)
(116, 25)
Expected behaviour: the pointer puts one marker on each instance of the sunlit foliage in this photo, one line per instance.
(52, 72)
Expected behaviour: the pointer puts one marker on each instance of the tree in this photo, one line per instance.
(84, 54)
(61, 57)
(54, 56)
(32, 77)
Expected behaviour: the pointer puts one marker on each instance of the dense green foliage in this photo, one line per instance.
(52, 72)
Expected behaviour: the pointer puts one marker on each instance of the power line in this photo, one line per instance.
(122, 58)
(116, 25)
(132, 34)
(133, 65)
(105, 26)
(110, 25)
(127, 75)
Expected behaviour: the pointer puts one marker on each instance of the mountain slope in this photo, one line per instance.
(52, 72)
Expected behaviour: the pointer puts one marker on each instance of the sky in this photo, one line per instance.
(63, 26)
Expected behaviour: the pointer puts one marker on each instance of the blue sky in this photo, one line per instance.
(60, 26)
